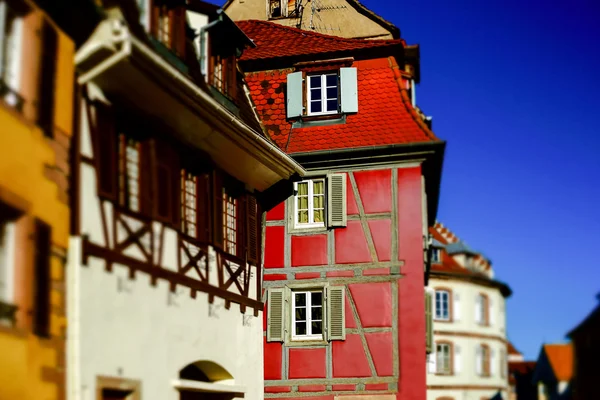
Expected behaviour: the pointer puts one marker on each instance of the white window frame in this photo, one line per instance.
(436, 255)
(323, 94)
(311, 208)
(440, 357)
(438, 309)
(309, 335)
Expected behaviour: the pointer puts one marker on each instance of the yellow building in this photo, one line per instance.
(36, 123)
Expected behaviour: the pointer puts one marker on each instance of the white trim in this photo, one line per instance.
(207, 387)
(308, 306)
(324, 98)
(311, 208)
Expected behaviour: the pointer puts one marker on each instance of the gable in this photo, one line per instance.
(344, 18)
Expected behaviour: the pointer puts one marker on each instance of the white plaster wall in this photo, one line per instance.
(130, 329)
(465, 373)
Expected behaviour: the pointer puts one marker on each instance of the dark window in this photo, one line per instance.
(167, 180)
(222, 74)
(47, 80)
(115, 394)
(168, 26)
(274, 8)
(106, 150)
(41, 320)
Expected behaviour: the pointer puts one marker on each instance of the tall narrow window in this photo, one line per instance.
(442, 305)
(485, 360)
(310, 203)
(163, 25)
(46, 90)
(11, 36)
(41, 320)
(481, 309)
(443, 360)
(436, 255)
(323, 94)
(230, 223)
(222, 75)
(274, 8)
(189, 202)
(129, 172)
(307, 316)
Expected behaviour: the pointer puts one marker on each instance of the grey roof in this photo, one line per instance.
(437, 243)
(460, 248)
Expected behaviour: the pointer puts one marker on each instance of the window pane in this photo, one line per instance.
(318, 187)
(318, 216)
(332, 93)
(303, 189)
(303, 217)
(318, 201)
(315, 81)
(301, 314)
(317, 327)
(316, 313)
(303, 203)
(300, 299)
(316, 299)
(315, 106)
(331, 80)
(315, 94)
(300, 328)
(332, 105)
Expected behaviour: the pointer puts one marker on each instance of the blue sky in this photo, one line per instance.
(513, 87)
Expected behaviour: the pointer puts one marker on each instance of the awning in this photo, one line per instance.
(126, 68)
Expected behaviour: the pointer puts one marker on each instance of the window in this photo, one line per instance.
(442, 305)
(503, 363)
(275, 8)
(444, 358)
(436, 255)
(482, 361)
(11, 28)
(129, 172)
(316, 314)
(481, 309)
(8, 218)
(307, 316)
(223, 74)
(163, 25)
(168, 26)
(230, 226)
(189, 204)
(310, 203)
(323, 94)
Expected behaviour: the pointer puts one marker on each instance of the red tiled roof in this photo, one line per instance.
(560, 357)
(512, 350)
(385, 114)
(276, 41)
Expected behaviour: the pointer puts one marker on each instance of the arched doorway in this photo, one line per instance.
(206, 380)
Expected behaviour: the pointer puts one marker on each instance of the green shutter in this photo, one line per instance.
(336, 200)
(429, 322)
(275, 315)
(336, 321)
(349, 90)
(294, 95)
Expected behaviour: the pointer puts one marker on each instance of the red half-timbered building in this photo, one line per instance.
(345, 256)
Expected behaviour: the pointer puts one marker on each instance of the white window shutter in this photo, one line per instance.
(432, 362)
(478, 361)
(349, 90)
(294, 95)
(336, 200)
(494, 366)
(492, 312)
(276, 315)
(457, 360)
(456, 307)
(336, 322)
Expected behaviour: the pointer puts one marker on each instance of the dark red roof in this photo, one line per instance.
(385, 114)
(276, 41)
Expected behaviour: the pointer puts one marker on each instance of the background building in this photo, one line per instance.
(469, 357)
(554, 371)
(36, 116)
(520, 376)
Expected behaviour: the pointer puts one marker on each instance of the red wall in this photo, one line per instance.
(367, 259)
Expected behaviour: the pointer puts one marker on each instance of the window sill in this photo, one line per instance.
(444, 374)
(307, 230)
(319, 120)
(306, 342)
(442, 320)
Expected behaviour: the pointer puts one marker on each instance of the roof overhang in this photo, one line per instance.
(505, 290)
(127, 69)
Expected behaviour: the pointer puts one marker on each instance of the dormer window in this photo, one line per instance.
(436, 255)
(222, 74)
(323, 94)
(331, 93)
(168, 26)
(275, 8)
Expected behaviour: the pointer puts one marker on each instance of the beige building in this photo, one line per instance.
(469, 359)
(345, 18)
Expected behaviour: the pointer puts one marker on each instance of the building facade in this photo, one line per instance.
(469, 346)
(172, 173)
(343, 18)
(36, 115)
(345, 254)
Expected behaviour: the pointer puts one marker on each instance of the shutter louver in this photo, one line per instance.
(294, 95)
(252, 231)
(349, 90)
(336, 200)
(336, 329)
(456, 307)
(428, 322)
(41, 316)
(275, 315)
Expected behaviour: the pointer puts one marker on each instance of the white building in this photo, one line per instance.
(170, 175)
(469, 346)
